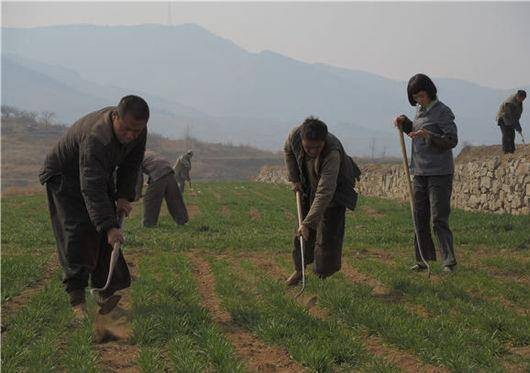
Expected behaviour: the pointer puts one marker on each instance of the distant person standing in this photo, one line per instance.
(182, 170)
(434, 135)
(508, 118)
(161, 184)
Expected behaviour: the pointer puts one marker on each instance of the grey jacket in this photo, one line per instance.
(335, 173)
(155, 166)
(87, 156)
(433, 155)
(182, 167)
(510, 113)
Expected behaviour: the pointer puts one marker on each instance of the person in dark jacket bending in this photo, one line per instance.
(320, 169)
(85, 200)
(160, 184)
(433, 133)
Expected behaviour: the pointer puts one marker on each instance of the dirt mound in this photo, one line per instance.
(112, 332)
(475, 153)
(114, 326)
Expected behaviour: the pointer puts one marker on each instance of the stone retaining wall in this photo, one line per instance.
(485, 180)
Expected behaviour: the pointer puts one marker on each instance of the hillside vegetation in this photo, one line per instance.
(28, 136)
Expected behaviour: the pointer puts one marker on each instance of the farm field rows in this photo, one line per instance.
(209, 296)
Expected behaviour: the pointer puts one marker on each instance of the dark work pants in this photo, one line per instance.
(181, 184)
(508, 138)
(432, 202)
(324, 247)
(83, 252)
(165, 187)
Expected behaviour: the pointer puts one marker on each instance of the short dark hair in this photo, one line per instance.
(314, 129)
(418, 83)
(521, 93)
(134, 105)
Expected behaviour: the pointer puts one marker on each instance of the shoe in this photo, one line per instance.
(80, 312)
(294, 279)
(418, 267)
(76, 296)
(448, 269)
(106, 304)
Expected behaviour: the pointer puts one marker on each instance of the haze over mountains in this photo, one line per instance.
(224, 93)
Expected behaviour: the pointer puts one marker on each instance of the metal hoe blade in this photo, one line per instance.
(113, 260)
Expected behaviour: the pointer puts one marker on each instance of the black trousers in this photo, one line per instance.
(508, 137)
(83, 252)
(432, 203)
(324, 247)
(165, 187)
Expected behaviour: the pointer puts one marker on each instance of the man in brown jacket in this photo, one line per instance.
(85, 200)
(508, 118)
(161, 184)
(320, 169)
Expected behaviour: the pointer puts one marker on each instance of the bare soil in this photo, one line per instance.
(255, 214)
(193, 210)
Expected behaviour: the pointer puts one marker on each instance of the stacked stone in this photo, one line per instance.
(273, 175)
(497, 185)
(484, 180)
(386, 181)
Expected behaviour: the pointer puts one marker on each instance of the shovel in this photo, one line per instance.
(411, 196)
(299, 210)
(109, 303)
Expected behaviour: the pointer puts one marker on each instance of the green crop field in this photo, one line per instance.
(210, 297)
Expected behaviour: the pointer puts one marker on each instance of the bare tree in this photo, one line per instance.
(10, 111)
(47, 118)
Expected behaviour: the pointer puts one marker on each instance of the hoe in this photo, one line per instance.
(108, 304)
(411, 196)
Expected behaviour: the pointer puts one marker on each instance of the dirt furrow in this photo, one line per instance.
(193, 210)
(378, 289)
(225, 211)
(255, 214)
(256, 355)
(375, 345)
(264, 196)
(288, 214)
(13, 305)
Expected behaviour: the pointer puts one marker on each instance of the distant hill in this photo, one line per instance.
(223, 92)
(26, 138)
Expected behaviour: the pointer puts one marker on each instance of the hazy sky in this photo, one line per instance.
(487, 43)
